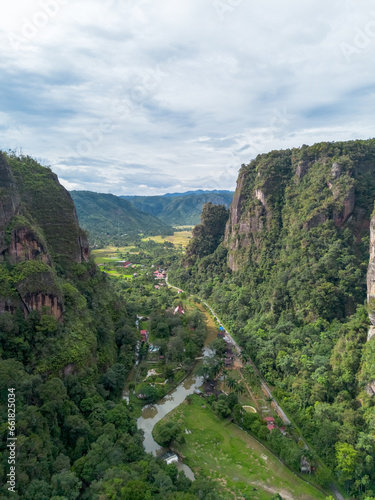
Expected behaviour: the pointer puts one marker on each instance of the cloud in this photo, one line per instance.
(141, 97)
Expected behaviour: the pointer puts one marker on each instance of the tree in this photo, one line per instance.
(346, 457)
(168, 432)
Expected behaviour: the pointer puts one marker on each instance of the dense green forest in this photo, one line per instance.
(110, 219)
(180, 209)
(67, 342)
(289, 280)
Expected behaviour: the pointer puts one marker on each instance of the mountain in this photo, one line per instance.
(107, 216)
(67, 344)
(38, 231)
(199, 191)
(180, 209)
(290, 278)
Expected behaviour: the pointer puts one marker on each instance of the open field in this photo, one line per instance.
(179, 238)
(111, 254)
(222, 451)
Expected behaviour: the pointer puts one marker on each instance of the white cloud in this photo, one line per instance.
(139, 96)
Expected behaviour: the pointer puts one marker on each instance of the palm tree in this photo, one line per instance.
(231, 382)
(239, 388)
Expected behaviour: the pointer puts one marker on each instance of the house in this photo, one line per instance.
(271, 427)
(305, 466)
(228, 362)
(270, 420)
(170, 457)
(220, 335)
(198, 392)
(179, 310)
(157, 287)
(179, 291)
(144, 335)
(135, 274)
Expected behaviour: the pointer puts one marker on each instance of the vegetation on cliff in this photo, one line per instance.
(67, 342)
(290, 282)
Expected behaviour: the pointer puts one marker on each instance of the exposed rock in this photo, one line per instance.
(370, 389)
(371, 333)
(336, 171)
(38, 222)
(302, 169)
(348, 205)
(38, 301)
(9, 200)
(25, 245)
(371, 272)
(259, 195)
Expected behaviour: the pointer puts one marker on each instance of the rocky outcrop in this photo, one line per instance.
(44, 302)
(371, 296)
(371, 273)
(9, 201)
(38, 222)
(302, 169)
(25, 245)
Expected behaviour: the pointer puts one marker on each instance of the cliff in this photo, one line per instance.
(297, 190)
(39, 237)
(371, 295)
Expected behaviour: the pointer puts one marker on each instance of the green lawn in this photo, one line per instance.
(222, 451)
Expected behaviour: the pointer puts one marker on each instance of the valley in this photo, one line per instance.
(243, 345)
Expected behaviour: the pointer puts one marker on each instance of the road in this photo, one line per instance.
(265, 387)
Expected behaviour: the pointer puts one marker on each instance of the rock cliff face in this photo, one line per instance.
(298, 190)
(38, 225)
(371, 296)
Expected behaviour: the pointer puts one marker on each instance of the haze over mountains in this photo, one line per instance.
(105, 215)
(180, 208)
(108, 216)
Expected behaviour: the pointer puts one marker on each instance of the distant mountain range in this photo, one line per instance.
(109, 216)
(180, 209)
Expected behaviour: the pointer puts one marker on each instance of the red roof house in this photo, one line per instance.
(179, 310)
(271, 427)
(270, 420)
(144, 335)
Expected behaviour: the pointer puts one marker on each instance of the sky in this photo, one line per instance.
(155, 96)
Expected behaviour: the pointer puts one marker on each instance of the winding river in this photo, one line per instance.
(151, 414)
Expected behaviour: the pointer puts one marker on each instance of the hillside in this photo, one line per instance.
(67, 344)
(107, 217)
(180, 209)
(290, 280)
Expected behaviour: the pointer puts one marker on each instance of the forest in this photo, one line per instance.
(288, 277)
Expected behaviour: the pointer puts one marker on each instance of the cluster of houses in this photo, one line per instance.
(271, 425)
(160, 274)
(229, 355)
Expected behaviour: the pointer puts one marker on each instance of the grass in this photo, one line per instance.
(228, 455)
(110, 253)
(179, 238)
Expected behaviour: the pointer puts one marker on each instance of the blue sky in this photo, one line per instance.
(156, 96)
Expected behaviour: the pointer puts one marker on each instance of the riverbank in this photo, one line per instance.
(220, 450)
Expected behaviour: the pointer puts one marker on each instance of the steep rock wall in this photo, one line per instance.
(296, 190)
(38, 222)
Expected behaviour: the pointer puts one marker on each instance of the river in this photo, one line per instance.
(151, 414)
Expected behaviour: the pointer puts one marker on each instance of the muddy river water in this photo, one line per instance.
(151, 414)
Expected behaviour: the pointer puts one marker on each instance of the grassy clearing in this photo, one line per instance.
(179, 238)
(222, 451)
(110, 254)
